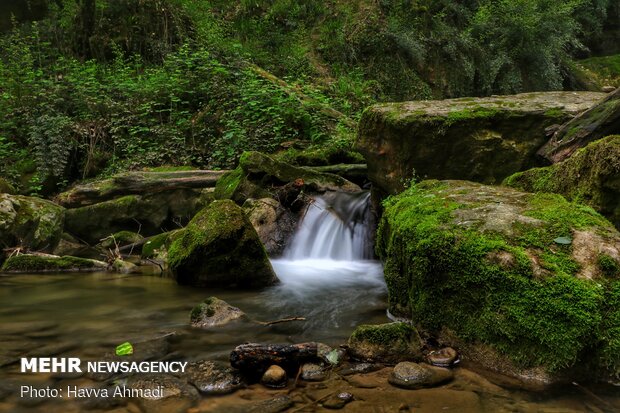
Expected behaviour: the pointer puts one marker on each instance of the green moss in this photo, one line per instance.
(172, 168)
(472, 113)
(121, 238)
(385, 334)
(439, 272)
(590, 176)
(608, 265)
(35, 263)
(228, 183)
(158, 243)
(555, 113)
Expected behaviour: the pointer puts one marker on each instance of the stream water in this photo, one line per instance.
(326, 276)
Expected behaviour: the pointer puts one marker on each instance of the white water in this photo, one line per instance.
(327, 267)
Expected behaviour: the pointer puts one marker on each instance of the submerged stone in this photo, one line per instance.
(213, 378)
(220, 248)
(478, 264)
(415, 376)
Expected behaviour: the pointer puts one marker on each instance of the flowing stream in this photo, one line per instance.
(327, 276)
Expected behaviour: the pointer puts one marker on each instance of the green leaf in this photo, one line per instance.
(563, 240)
(332, 357)
(124, 349)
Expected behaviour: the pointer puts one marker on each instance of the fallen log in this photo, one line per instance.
(599, 121)
(255, 358)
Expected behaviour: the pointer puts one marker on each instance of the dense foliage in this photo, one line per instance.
(100, 85)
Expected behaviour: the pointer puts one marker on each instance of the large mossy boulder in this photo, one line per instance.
(261, 176)
(525, 284)
(600, 120)
(591, 176)
(30, 223)
(148, 214)
(220, 248)
(477, 139)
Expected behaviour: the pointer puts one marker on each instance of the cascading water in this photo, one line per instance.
(334, 227)
(327, 272)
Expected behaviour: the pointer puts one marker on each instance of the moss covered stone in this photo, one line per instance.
(591, 176)
(260, 176)
(157, 246)
(219, 247)
(513, 272)
(213, 312)
(387, 343)
(26, 263)
(121, 238)
(30, 223)
(478, 139)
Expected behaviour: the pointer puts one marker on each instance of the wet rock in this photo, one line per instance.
(359, 368)
(338, 401)
(274, 224)
(124, 267)
(176, 395)
(313, 372)
(220, 248)
(274, 377)
(214, 312)
(410, 375)
(445, 357)
(213, 378)
(387, 343)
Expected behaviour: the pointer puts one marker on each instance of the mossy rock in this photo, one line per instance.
(157, 246)
(31, 223)
(478, 139)
(385, 343)
(517, 272)
(6, 187)
(121, 238)
(214, 312)
(591, 176)
(146, 214)
(27, 263)
(261, 176)
(220, 248)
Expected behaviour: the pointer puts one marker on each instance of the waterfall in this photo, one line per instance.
(335, 226)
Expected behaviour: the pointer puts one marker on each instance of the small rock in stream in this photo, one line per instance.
(410, 375)
(275, 405)
(313, 372)
(445, 357)
(338, 401)
(274, 377)
(359, 368)
(214, 312)
(213, 378)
